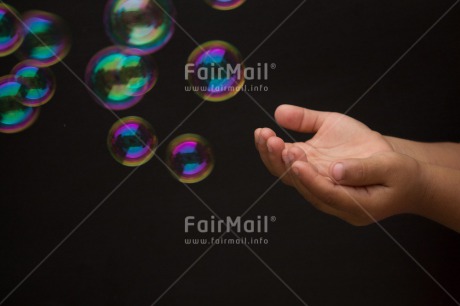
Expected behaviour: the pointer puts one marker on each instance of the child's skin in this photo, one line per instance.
(349, 171)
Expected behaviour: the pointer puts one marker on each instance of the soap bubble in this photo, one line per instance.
(225, 5)
(120, 80)
(37, 84)
(14, 117)
(11, 33)
(140, 72)
(144, 26)
(132, 141)
(215, 71)
(190, 158)
(46, 40)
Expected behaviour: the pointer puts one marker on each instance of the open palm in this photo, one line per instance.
(346, 169)
(336, 137)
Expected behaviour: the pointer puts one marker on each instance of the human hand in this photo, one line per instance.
(349, 171)
(336, 137)
(362, 190)
(346, 169)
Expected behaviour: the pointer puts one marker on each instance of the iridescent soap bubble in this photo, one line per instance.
(118, 79)
(190, 158)
(215, 71)
(140, 73)
(37, 84)
(144, 26)
(132, 141)
(225, 5)
(14, 117)
(11, 33)
(47, 39)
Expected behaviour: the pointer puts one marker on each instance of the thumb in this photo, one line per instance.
(373, 170)
(300, 119)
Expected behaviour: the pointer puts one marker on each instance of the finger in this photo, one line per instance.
(275, 147)
(293, 154)
(290, 154)
(261, 144)
(300, 119)
(324, 189)
(373, 170)
(262, 137)
(297, 152)
(261, 141)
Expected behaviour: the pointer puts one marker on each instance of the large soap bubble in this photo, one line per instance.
(144, 26)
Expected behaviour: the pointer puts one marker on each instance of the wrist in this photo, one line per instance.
(425, 189)
(406, 147)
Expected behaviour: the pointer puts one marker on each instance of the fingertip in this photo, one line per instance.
(298, 167)
(275, 144)
(338, 171)
(270, 145)
(281, 111)
(296, 153)
(284, 156)
(306, 172)
(280, 107)
(267, 132)
(264, 134)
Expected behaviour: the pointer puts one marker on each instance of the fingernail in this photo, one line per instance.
(338, 171)
(296, 170)
(269, 148)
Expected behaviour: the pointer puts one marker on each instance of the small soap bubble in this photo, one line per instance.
(225, 5)
(118, 79)
(37, 84)
(190, 158)
(46, 40)
(14, 117)
(132, 141)
(11, 33)
(215, 71)
(143, 26)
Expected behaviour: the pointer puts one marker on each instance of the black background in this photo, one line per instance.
(132, 249)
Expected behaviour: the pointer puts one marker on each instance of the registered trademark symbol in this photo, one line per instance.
(273, 66)
(273, 218)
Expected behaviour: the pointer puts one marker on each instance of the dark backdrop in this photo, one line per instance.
(132, 248)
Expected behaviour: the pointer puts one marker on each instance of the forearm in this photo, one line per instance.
(441, 201)
(446, 154)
